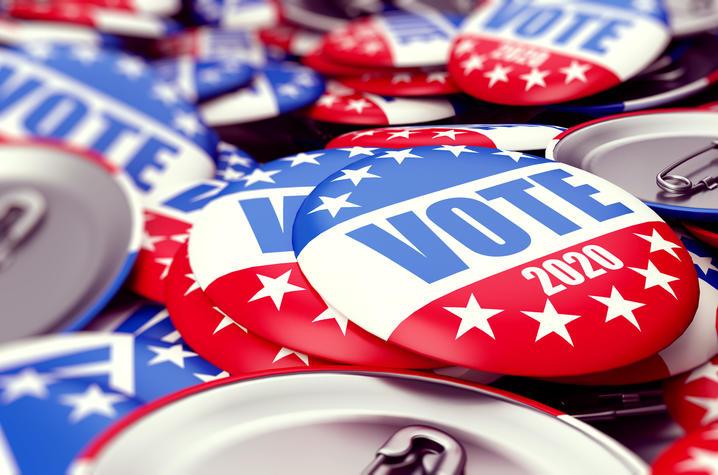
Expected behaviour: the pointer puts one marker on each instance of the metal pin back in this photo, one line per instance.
(21, 210)
(682, 185)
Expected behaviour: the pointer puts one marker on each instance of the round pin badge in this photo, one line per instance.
(60, 391)
(512, 137)
(340, 104)
(199, 80)
(291, 39)
(692, 16)
(495, 260)
(17, 32)
(236, 14)
(692, 399)
(403, 83)
(317, 59)
(426, 429)
(394, 39)
(62, 213)
(108, 20)
(547, 52)
(687, 68)
(705, 231)
(693, 454)
(111, 103)
(697, 344)
(217, 337)
(274, 90)
(241, 254)
(661, 157)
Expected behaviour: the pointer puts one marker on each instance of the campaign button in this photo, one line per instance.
(291, 39)
(108, 20)
(241, 254)
(274, 90)
(662, 157)
(343, 105)
(692, 399)
(403, 83)
(217, 337)
(697, 344)
(60, 391)
(512, 137)
(318, 60)
(232, 163)
(495, 260)
(693, 454)
(394, 39)
(199, 80)
(70, 229)
(17, 32)
(235, 14)
(530, 53)
(109, 102)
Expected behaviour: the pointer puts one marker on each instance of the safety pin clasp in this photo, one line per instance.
(682, 185)
(21, 210)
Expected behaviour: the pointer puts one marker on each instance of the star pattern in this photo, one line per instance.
(193, 286)
(334, 204)
(354, 151)
(473, 316)
(94, 401)
(619, 307)
(498, 74)
(709, 404)
(174, 354)
(130, 67)
(707, 370)
(302, 157)
(284, 352)
(188, 123)
(475, 62)
(575, 72)
(550, 321)
(660, 244)
(455, 150)
(332, 314)
(702, 460)
(356, 176)
(654, 278)
(357, 105)
(259, 175)
(399, 155)
(27, 382)
(275, 288)
(704, 263)
(534, 78)
(226, 321)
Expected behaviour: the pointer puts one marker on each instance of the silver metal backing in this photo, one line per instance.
(334, 422)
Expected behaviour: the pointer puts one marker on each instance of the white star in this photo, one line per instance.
(194, 286)
(92, 401)
(164, 261)
(399, 155)
(327, 100)
(206, 378)
(465, 46)
(130, 67)
(234, 159)
(473, 316)
(534, 78)
(226, 321)
(709, 404)
(148, 241)
(403, 133)
(346, 42)
(290, 90)
(300, 158)
(40, 50)
(499, 73)
(704, 461)
(475, 61)
(707, 370)
(575, 71)
(357, 105)
(654, 277)
(85, 54)
(332, 314)
(648, 6)
(437, 76)
(455, 150)
(230, 174)
(304, 79)
(356, 176)
(284, 352)
(703, 263)
(27, 382)
(366, 133)
(400, 77)
(451, 133)
(210, 76)
(354, 151)
(174, 354)
(552, 322)
(515, 156)
(334, 205)
(619, 307)
(660, 244)
(165, 93)
(187, 123)
(179, 238)
(372, 47)
(275, 288)
(258, 175)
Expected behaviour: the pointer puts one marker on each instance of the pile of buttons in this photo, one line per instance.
(358, 236)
